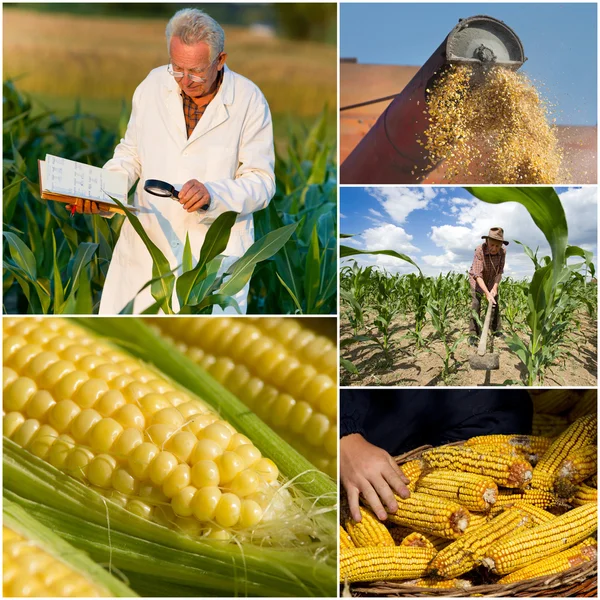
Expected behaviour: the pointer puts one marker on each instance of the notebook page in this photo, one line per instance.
(71, 178)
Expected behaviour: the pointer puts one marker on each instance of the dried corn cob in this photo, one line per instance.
(474, 492)
(413, 469)
(468, 551)
(36, 562)
(579, 434)
(548, 425)
(428, 514)
(538, 515)
(436, 584)
(477, 520)
(369, 532)
(553, 402)
(345, 539)
(576, 468)
(507, 498)
(383, 564)
(584, 552)
(586, 405)
(528, 444)
(584, 495)
(109, 420)
(294, 397)
(400, 533)
(520, 550)
(504, 470)
(416, 539)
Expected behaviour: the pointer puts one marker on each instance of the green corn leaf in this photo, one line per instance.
(312, 272)
(187, 263)
(291, 293)
(346, 251)
(21, 255)
(261, 250)
(215, 242)
(58, 286)
(162, 276)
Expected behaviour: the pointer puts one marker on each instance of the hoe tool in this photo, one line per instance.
(482, 361)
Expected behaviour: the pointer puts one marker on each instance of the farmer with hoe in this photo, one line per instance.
(484, 276)
(376, 425)
(207, 131)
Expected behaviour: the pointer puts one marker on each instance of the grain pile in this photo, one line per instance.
(498, 509)
(492, 125)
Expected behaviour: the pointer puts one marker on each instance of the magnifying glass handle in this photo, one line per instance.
(175, 194)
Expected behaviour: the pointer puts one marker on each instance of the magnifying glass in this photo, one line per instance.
(156, 187)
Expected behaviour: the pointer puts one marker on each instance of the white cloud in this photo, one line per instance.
(375, 213)
(399, 202)
(343, 216)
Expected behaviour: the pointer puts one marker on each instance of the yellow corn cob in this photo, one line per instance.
(468, 551)
(436, 584)
(520, 550)
(301, 341)
(530, 445)
(345, 539)
(584, 552)
(576, 468)
(413, 470)
(296, 398)
(504, 470)
(416, 539)
(553, 402)
(477, 520)
(540, 498)
(107, 419)
(586, 405)
(384, 564)
(584, 494)
(474, 492)
(28, 570)
(538, 515)
(579, 434)
(399, 534)
(428, 514)
(548, 425)
(369, 532)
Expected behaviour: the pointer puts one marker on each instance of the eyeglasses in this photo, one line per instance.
(195, 75)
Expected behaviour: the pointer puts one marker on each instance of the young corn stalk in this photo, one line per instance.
(140, 472)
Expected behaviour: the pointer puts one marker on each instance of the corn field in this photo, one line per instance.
(391, 322)
(55, 264)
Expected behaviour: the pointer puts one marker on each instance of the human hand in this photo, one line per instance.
(87, 207)
(368, 470)
(490, 297)
(194, 196)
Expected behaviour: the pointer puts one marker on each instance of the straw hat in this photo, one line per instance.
(496, 233)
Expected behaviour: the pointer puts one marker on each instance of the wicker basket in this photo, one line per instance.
(579, 582)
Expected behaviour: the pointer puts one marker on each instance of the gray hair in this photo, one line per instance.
(192, 25)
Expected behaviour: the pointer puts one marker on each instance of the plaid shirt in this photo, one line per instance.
(192, 111)
(487, 266)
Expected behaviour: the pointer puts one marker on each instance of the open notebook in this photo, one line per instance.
(66, 180)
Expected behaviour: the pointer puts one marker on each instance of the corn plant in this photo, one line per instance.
(549, 308)
(301, 278)
(355, 293)
(418, 290)
(439, 307)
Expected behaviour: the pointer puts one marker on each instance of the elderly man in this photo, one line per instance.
(484, 276)
(207, 131)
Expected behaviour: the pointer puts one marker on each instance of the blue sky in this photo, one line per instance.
(440, 227)
(559, 42)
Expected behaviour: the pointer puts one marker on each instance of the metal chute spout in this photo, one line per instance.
(390, 152)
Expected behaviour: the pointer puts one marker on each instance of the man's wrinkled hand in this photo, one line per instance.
(88, 207)
(194, 196)
(491, 299)
(371, 472)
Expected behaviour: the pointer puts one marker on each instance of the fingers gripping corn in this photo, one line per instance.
(370, 531)
(109, 420)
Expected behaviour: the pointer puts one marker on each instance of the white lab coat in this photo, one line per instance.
(230, 151)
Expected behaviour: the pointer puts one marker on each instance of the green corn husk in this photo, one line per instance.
(17, 519)
(113, 536)
(135, 337)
